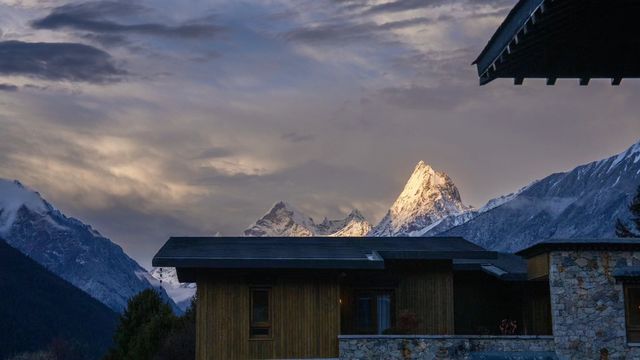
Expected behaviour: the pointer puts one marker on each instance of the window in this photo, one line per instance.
(260, 313)
(374, 311)
(632, 303)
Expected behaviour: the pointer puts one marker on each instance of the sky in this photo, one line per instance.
(148, 119)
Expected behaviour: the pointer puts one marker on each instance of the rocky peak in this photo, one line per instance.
(428, 197)
(285, 220)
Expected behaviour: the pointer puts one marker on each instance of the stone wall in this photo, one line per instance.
(587, 304)
(453, 347)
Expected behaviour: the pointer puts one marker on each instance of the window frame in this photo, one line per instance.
(632, 330)
(374, 293)
(268, 325)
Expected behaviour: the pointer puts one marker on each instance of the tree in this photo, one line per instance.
(624, 231)
(142, 327)
(180, 344)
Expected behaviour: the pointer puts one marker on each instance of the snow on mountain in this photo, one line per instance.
(354, 225)
(428, 198)
(285, 220)
(67, 247)
(584, 202)
(181, 293)
(282, 220)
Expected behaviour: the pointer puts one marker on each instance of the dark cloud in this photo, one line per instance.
(58, 61)
(8, 87)
(93, 17)
(295, 137)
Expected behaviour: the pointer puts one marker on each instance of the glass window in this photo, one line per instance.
(384, 312)
(374, 311)
(260, 313)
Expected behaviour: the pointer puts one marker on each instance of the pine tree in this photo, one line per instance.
(624, 231)
(142, 328)
(180, 344)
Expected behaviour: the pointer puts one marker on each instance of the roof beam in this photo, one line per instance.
(551, 81)
(584, 81)
(616, 81)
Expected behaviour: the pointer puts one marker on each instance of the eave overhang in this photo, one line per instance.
(558, 39)
(614, 244)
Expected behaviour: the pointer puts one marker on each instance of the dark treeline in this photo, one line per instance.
(148, 330)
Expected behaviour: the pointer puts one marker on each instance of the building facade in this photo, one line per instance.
(410, 298)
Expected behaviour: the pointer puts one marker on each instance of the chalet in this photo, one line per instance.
(555, 39)
(360, 298)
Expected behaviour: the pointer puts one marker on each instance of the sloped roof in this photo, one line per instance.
(310, 252)
(611, 244)
(554, 39)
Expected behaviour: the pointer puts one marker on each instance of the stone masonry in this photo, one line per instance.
(402, 347)
(587, 304)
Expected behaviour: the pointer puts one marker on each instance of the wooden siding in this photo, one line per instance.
(538, 266)
(427, 291)
(538, 308)
(421, 288)
(305, 324)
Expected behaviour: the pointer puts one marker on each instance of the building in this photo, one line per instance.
(359, 297)
(595, 295)
(555, 39)
(411, 298)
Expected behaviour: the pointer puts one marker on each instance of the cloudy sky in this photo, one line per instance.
(155, 118)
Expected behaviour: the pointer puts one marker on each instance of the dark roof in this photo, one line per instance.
(310, 252)
(627, 272)
(621, 244)
(550, 39)
(505, 266)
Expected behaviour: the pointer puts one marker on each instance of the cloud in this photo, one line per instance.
(93, 17)
(58, 61)
(295, 137)
(8, 87)
(214, 152)
(407, 5)
(348, 32)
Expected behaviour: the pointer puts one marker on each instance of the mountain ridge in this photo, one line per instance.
(283, 219)
(38, 306)
(582, 202)
(69, 248)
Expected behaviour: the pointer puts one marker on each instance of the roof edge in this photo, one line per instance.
(625, 244)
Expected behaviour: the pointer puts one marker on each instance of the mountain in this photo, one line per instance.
(285, 220)
(37, 307)
(354, 224)
(584, 202)
(429, 198)
(180, 293)
(68, 248)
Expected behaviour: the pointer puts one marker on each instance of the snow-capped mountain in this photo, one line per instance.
(181, 293)
(69, 248)
(282, 220)
(429, 199)
(354, 224)
(584, 202)
(285, 220)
